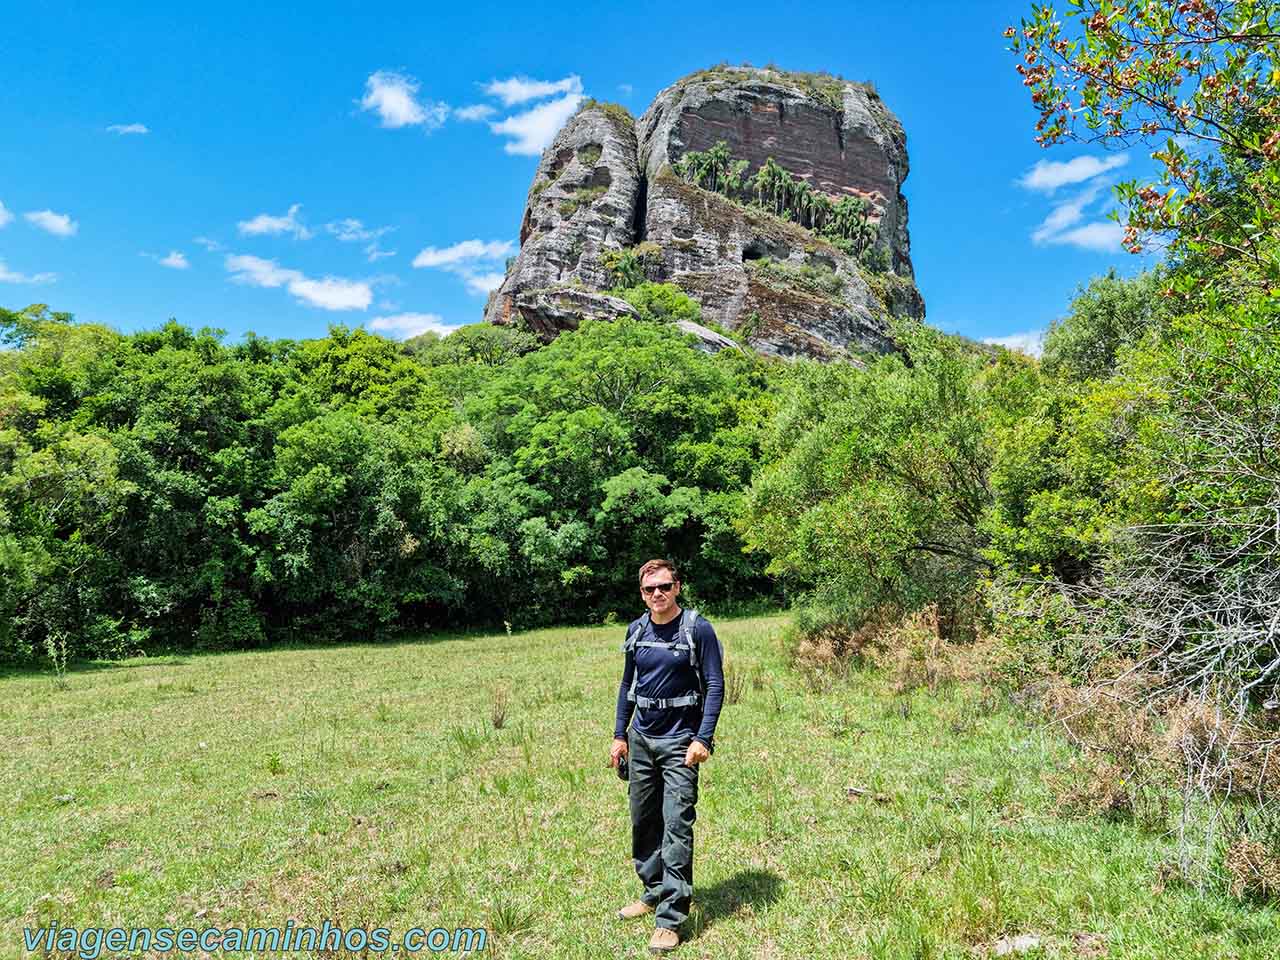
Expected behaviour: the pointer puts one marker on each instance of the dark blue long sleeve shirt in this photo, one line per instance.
(664, 676)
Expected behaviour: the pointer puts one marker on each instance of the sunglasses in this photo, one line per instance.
(662, 587)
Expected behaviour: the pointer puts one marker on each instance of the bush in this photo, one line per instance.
(878, 485)
(631, 266)
(1254, 869)
(662, 303)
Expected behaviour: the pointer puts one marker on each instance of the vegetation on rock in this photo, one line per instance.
(845, 221)
(629, 266)
(617, 114)
(582, 197)
(813, 277)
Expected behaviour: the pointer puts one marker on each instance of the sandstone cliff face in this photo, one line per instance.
(582, 202)
(606, 184)
(837, 135)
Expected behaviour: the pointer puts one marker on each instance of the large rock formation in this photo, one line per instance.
(583, 201)
(608, 183)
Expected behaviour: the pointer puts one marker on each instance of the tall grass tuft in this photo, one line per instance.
(498, 708)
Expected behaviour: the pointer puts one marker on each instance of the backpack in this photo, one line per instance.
(685, 640)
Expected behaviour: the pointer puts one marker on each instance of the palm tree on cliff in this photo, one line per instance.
(718, 162)
(819, 210)
(774, 186)
(850, 220)
(733, 179)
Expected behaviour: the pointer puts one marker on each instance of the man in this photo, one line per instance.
(671, 734)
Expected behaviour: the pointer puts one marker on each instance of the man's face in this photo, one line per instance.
(659, 590)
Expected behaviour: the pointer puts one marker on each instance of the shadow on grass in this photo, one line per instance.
(11, 671)
(187, 656)
(755, 888)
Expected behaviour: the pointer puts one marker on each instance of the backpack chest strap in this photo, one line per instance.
(674, 645)
(665, 703)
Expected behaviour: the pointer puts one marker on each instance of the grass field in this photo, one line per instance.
(367, 785)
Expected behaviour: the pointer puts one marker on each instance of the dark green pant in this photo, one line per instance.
(663, 793)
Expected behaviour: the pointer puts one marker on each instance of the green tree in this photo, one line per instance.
(879, 484)
(1106, 316)
(1185, 75)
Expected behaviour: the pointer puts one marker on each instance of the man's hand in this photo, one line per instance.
(619, 749)
(697, 753)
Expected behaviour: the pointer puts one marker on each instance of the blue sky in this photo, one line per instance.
(281, 168)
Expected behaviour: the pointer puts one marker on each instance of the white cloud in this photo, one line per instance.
(478, 111)
(393, 97)
(447, 257)
(59, 224)
(473, 260)
(405, 325)
(533, 130)
(333, 293)
(6, 217)
(1049, 175)
(123, 129)
(515, 90)
(257, 272)
(351, 230)
(1031, 342)
(483, 282)
(213, 246)
(1103, 237)
(10, 276)
(1065, 224)
(176, 260)
(1065, 215)
(266, 224)
(329, 293)
(625, 89)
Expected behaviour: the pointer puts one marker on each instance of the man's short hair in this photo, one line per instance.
(653, 566)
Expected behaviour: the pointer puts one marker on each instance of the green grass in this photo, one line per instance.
(367, 785)
(582, 197)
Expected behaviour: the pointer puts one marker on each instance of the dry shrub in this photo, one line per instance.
(1122, 769)
(829, 647)
(1225, 755)
(1112, 718)
(917, 654)
(1127, 720)
(917, 651)
(1138, 742)
(1092, 784)
(1254, 868)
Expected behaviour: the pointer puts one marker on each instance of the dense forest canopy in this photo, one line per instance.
(164, 488)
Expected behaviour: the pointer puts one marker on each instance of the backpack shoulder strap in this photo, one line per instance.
(635, 632)
(689, 628)
(629, 646)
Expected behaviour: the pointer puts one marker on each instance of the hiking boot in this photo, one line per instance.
(633, 910)
(663, 939)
